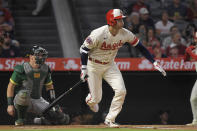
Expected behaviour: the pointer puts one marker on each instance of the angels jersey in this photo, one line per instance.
(104, 46)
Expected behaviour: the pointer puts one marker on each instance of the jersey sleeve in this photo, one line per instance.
(15, 79)
(91, 41)
(131, 38)
(16, 75)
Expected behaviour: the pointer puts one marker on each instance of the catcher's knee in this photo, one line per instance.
(22, 98)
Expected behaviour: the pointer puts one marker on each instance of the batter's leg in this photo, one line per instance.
(114, 77)
(193, 101)
(95, 88)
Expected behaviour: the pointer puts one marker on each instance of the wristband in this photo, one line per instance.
(10, 100)
(52, 95)
(83, 67)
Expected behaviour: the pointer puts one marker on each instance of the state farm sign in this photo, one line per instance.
(9, 64)
(124, 64)
(168, 64)
(177, 65)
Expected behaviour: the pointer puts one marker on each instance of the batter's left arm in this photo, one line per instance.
(145, 52)
(148, 56)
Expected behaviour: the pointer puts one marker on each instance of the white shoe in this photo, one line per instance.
(194, 123)
(111, 124)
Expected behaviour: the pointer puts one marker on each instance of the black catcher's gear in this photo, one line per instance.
(40, 53)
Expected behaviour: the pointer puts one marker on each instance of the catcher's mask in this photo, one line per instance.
(40, 54)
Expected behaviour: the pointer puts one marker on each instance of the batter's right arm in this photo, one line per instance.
(84, 59)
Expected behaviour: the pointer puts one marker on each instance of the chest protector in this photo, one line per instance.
(35, 79)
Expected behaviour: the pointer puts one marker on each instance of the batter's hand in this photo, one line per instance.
(11, 110)
(84, 72)
(159, 68)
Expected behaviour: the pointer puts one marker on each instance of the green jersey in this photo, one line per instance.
(33, 80)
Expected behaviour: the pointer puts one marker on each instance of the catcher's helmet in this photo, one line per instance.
(112, 15)
(40, 53)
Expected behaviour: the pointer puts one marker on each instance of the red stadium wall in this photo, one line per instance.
(125, 64)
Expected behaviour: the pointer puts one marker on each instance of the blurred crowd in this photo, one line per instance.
(166, 31)
(9, 47)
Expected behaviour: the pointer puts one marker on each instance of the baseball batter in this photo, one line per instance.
(97, 56)
(27, 81)
(191, 51)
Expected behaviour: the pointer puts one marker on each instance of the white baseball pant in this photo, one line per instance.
(193, 101)
(113, 77)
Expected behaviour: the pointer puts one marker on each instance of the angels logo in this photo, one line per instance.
(145, 65)
(70, 65)
(89, 40)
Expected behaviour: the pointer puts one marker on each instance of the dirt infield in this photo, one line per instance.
(167, 127)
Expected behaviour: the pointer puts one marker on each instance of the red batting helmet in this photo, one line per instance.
(113, 15)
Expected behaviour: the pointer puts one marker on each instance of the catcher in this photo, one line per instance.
(27, 82)
(191, 52)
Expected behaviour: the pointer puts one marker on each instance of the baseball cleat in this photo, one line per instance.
(94, 108)
(19, 122)
(194, 123)
(111, 124)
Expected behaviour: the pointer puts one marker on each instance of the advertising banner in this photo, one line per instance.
(124, 64)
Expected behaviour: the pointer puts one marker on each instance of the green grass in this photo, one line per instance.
(93, 129)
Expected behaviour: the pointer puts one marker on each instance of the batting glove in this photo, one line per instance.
(84, 73)
(159, 68)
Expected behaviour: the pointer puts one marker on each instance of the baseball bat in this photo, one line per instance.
(61, 96)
